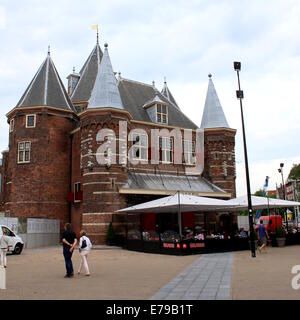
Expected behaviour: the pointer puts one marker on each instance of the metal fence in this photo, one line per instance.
(35, 233)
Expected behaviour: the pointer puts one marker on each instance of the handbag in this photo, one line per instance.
(83, 244)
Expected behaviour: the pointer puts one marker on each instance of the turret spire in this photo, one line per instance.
(105, 92)
(46, 89)
(213, 114)
(167, 93)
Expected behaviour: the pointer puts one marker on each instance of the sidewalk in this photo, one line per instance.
(208, 278)
(236, 276)
(268, 276)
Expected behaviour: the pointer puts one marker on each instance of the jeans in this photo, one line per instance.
(68, 261)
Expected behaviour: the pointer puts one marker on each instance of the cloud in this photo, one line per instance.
(259, 170)
(2, 18)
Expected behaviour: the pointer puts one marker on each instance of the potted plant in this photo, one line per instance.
(110, 235)
(280, 236)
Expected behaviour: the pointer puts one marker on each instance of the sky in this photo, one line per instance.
(183, 41)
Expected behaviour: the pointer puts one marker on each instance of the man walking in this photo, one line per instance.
(262, 236)
(69, 242)
(4, 247)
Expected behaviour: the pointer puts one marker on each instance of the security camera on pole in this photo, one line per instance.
(240, 95)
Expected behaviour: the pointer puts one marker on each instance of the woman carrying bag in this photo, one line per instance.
(85, 247)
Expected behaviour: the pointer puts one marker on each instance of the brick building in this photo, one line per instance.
(51, 168)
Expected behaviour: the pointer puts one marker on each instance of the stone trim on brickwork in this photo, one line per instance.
(18, 109)
(98, 173)
(172, 192)
(96, 213)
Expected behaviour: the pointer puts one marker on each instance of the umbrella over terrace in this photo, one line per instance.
(187, 203)
(241, 203)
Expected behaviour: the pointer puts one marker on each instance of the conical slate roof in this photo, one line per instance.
(88, 74)
(213, 114)
(46, 89)
(167, 93)
(105, 92)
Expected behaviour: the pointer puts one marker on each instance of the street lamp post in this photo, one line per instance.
(280, 170)
(240, 96)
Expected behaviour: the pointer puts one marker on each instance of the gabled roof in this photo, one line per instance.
(88, 74)
(105, 92)
(46, 89)
(167, 93)
(213, 114)
(135, 95)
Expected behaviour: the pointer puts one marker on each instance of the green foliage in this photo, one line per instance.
(255, 235)
(259, 193)
(243, 213)
(295, 172)
(110, 235)
(280, 232)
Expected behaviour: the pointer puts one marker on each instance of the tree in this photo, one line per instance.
(295, 172)
(110, 235)
(259, 193)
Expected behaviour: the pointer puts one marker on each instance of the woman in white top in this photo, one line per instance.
(85, 247)
(4, 241)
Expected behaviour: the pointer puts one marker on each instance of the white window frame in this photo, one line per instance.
(139, 146)
(34, 117)
(11, 125)
(162, 113)
(24, 152)
(76, 190)
(165, 150)
(189, 155)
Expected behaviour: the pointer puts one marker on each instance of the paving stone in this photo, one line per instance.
(208, 278)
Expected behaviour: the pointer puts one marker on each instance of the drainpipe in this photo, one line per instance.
(70, 179)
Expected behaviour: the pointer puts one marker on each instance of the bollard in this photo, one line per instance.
(2, 277)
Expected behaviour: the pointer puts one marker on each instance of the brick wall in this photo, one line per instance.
(39, 188)
(219, 159)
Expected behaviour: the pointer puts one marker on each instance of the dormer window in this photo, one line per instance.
(30, 120)
(161, 113)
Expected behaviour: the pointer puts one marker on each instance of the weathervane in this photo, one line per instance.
(95, 27)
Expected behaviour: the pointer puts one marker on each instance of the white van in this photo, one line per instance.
(16, 244)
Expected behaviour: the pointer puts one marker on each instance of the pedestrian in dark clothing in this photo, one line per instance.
(69, 242)
(262, 236)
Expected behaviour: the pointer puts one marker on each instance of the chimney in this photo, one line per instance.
(73, 79)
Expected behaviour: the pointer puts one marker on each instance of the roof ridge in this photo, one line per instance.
(135, 81)
(28, 89)
(83, 71)
(46, 81)
(62, 88)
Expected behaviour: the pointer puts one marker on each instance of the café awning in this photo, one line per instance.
(182, 202)
(241, 203)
